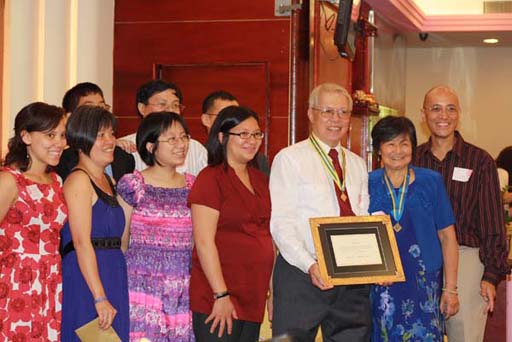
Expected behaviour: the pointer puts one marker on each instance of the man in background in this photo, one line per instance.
(162, 96)
(90, 94)
(212, 105)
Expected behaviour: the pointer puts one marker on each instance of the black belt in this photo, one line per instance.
(97, 243)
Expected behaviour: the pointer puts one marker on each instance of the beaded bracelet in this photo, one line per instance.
(454, 292)
(99, 300)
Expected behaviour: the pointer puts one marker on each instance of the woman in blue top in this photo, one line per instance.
(423, 222)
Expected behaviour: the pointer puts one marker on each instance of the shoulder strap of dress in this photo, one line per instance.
(112, 187)
(80, 169)
(15, 172)
(110, 200)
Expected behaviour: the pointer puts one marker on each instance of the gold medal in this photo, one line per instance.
(343, 197)
(397, 227)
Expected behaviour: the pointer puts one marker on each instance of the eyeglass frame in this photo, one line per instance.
(162, 105)
(183, 138)
(443, 109)
(248, 135)
(328, 113)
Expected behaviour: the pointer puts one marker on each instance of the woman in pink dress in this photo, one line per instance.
(159, 256)
(32, 212)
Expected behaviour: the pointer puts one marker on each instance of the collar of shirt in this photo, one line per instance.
(457, 148)
(326, 147)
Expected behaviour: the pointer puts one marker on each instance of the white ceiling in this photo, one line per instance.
(450, 7)
(458, 39)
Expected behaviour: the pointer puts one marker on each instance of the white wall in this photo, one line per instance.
(50, 45)
(483, 78)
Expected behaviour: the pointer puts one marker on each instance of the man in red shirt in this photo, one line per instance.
(471, 180)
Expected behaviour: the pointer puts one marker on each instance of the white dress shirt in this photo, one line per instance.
(301, 188)
(195, 161)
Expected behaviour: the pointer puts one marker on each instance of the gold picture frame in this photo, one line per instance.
(356, 250)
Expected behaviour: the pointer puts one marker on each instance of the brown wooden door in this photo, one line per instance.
(203, 46)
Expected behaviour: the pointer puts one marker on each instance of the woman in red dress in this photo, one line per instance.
(32, 212)
(233, 256)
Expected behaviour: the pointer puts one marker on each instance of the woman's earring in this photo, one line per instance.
(29, 161)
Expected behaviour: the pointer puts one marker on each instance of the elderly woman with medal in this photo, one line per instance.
(423, 222)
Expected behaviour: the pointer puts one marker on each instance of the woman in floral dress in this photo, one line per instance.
(159, 256)
(32, 212)
(422, 219)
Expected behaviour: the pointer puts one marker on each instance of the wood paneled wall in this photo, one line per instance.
(189, 38)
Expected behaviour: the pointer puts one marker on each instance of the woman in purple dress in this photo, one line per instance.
(155, 201)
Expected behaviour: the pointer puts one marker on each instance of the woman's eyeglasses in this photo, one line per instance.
(247, 135)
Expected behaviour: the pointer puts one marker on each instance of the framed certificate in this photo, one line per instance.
(356, 250)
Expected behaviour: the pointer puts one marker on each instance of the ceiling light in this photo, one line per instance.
(490, 41)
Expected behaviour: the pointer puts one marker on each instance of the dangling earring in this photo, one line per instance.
(29, 161)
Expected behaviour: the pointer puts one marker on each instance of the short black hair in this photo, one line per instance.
(153, 87)
(228, 118)
(151, 128)
(84, 124)
(35, 117)
(389, 127)
(72, 97)
(504, 161)
(209, 100)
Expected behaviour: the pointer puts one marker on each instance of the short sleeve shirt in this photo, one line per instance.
(243, 240)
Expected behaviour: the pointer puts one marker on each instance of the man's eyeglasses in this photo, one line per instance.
(173, 106)
(438, 109)
(247, 135)
(329, 113)
(174, 140)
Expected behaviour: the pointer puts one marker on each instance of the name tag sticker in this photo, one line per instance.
(461, 174)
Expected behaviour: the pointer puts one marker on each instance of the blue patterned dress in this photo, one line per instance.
(409, 311)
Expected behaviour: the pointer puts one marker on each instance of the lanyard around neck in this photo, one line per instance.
(328, 165)
(399, 198)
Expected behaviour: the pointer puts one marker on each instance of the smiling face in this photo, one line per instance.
(242, 151)
(441, 113)
(45, 148)
(396, 154)
(102, 152)
(330, 130)
(172, 146)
